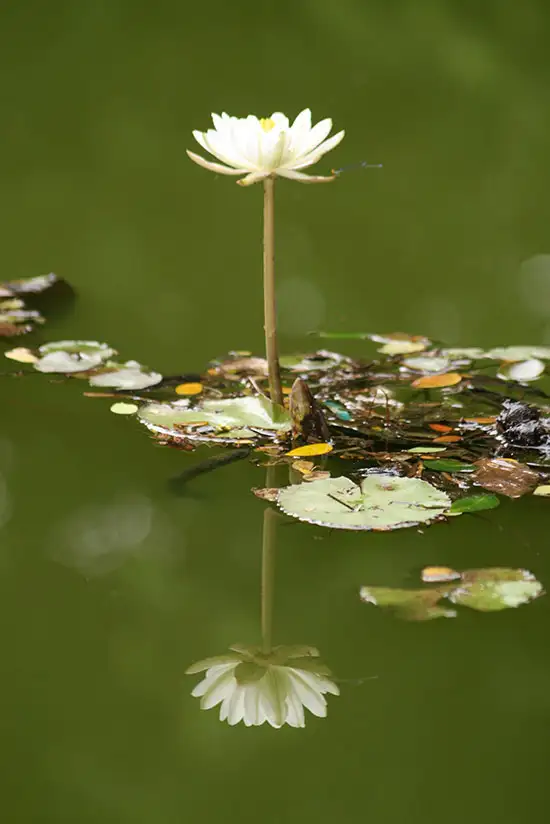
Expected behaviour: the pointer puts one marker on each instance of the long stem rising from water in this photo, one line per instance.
(270, 311)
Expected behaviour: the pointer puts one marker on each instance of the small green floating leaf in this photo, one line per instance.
(519, 353)
(449, 465)
(420, 450)
(474, 503)
(382, 502)
(124, 408)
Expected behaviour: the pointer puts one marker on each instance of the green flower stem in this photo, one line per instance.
(270, 311)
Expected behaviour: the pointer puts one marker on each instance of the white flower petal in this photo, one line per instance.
(280, 120)
(316, 154)
(295, 710)
(214, 167)
(259, 148)
(236, 706)
(214, 661)
(310, 697)
(303, 178)
(223, 687)
(315, 136)
(253, 177)
(210, 679)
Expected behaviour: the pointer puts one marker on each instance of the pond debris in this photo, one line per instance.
(486, 590)
(505, 476)
(447, 417)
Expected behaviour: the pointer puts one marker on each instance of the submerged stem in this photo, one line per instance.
(270, 312)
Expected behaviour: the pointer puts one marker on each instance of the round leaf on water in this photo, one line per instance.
(381, 502)
(130, 375)
(519, 353)
(124, 408)
(67, 356)
(522, 371)
(448, 465)
(231, 419)
(427, 364)
(474, 503)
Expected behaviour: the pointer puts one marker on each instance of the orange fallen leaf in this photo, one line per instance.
(189, 389)
(432, 574)
(447, 439)
(437, 381)
(310, 450)
(440, 427)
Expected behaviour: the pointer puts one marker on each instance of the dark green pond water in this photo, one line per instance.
(111, 584)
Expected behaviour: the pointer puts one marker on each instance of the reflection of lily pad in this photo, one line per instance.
(68, 356)
(382, 502)
(226, 420)
(129, 375)
(486, 590)
(496, 588)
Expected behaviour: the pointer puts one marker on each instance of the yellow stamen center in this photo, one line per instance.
(267, 124)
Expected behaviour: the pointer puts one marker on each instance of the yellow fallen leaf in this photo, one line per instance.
(543, 490)
(189, 389)
(21, 354)
(432, 574)
(437, 381)
(309, 450)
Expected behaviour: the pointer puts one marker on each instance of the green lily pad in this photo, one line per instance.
(381, 502)
(68, 356)
(497, 588)
(427, 364)
(449, 465)
(474, 503)
(419, 450)
(318, 361)
(224, 421)
(129, 375)
(522, 371)
(519, 353)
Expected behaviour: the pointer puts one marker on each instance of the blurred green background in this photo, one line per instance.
(110, 584)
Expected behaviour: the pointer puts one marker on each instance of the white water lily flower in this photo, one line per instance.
(261, 147)
(255, 688)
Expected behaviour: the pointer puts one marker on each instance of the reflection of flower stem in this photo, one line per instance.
(269, 537)
(270, 313)
(268, 576)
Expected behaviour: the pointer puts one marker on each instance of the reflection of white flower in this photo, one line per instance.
(260, 147)
(254, 688)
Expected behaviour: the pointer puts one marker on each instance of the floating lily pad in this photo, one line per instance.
(522, 371)
(427, 364)
(381, 502)
(68, 356)
(474, 503)
(519, 353)
(318, 361)
(129, 375)
(227, 420)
